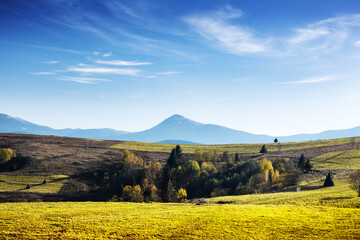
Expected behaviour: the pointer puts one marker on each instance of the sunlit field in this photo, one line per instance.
(233, 148)
(326, 213)
(19, 183)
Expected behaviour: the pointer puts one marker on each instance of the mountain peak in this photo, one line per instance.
(177, 117)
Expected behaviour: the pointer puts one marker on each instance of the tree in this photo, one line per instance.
(181, 195)
(301, 162)
(6, 154)
(263, 149)
(276, 140)
(354, 180)
(133, 194)
(328, 181)
(308, 166)
(237, 158)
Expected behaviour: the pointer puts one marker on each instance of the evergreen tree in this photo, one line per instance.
(171, 162)
(276, 140)
(165, 178)
(308, 166)
(263, 149)
(328, 181)
(237, 158)
(301, 162)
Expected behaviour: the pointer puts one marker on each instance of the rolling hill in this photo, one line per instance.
(175, 129)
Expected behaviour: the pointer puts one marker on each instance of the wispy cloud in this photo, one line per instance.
(107, 54)
(357, 43)
(85, 80)
(310, 80)
(119, 71)
(41, 73)
(217, 28)
(52, 62)
(325, 35)
(44, 47)
(169, 73)
(122, 63)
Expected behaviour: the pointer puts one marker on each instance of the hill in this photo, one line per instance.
(175, 129)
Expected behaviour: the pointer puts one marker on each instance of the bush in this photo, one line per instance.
(73, 186)
(132, 194)
(181, 195)
(6, 154)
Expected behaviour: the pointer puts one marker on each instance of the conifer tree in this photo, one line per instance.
(263, 149)
(301, 162)
(237, 158)
(328, 181)
(308, 166)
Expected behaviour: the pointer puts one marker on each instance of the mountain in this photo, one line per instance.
(179, 127)
(9, 124)
(175, 129)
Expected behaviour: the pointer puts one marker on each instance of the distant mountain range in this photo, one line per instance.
(175, 129)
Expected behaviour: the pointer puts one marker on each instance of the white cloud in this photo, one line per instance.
(304, 35)
(217, 29)
(169, 73)
(310, 80)
(326, 35)
(52, 62)
(107, 54)
(357, 43)
(122, 63)
(42, 73)
(119, 71)
(96, 53)
(83, 79)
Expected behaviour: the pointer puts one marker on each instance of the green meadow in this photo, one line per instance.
(233, 148)
(19, 183)
(324, 213)
(338, 160)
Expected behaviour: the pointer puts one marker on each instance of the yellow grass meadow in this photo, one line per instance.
(325, 213)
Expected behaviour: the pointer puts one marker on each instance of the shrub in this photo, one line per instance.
(133, 194)
(73, 186)
(6, 154)
(181, 195)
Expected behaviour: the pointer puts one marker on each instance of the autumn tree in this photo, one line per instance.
(354, 180)
(6, 154)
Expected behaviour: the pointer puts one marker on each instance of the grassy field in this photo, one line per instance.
(231, 148)
(19, 183)
(338, 160)
(327, 213)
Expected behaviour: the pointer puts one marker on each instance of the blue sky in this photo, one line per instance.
(272, 67)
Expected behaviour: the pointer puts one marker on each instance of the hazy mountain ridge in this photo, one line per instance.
(175, 129)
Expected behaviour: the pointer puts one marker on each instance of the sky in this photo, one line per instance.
(271, 67)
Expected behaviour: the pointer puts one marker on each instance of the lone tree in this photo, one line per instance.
(301, 162)
(276, 140)
(328, 181)
(354, 180)
(263, 149)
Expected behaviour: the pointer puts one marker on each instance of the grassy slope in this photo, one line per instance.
(19, 183)
(338, 160)
(329, 213)
(231, 148)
